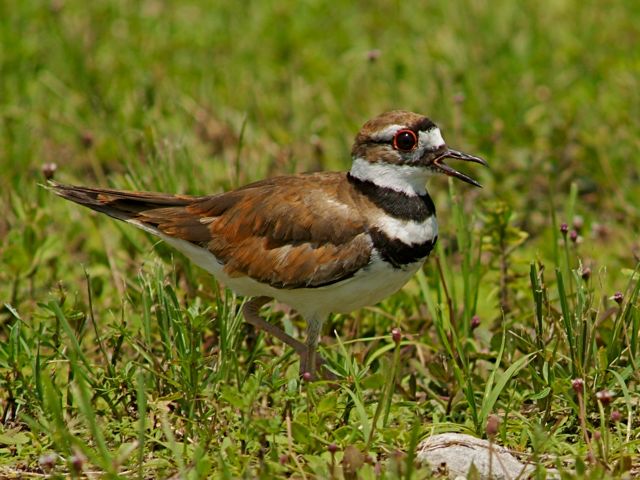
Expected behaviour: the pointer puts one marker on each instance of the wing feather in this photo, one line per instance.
(289, 232)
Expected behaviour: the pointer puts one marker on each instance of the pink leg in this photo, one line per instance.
(250, 312)
(309, 360)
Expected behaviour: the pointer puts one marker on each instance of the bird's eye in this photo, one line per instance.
(405, 140)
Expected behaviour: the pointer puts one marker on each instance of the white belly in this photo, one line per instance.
(367, 287)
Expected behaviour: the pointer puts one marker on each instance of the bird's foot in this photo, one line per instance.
(320, 371)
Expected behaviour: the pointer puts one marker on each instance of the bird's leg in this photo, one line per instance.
(309, 361)
(251, 316)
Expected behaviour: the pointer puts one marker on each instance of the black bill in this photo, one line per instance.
(439, 164)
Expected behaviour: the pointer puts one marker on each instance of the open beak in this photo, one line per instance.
(452, 172)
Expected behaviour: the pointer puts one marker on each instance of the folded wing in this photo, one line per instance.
(299, 231)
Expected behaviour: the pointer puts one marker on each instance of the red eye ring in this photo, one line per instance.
(405, 140)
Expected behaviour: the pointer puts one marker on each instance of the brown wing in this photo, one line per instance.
(289, 232)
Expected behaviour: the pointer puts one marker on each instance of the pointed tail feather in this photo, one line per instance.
(118, 204)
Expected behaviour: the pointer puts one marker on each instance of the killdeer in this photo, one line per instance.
(320, 242)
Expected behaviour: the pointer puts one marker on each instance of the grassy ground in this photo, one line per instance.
(119, 358)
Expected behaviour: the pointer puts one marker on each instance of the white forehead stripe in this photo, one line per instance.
(431, 139)
(387, 133)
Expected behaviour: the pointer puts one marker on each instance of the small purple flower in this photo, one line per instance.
(618, 297)
(77, 462)
(578, 385)
(87, 139)
(578, 222)
(49, 170)
(564, 228)
(373, 55)
(48, 461)
(396, 335)
(605, 396)
(493, 422)
(573, 236)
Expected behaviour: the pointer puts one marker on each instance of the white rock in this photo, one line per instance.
(454, 453)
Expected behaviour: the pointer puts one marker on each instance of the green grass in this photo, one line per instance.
(120, 358)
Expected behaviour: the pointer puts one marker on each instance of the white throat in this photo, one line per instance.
(407, 179)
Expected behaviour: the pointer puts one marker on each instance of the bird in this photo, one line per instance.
(322, 243)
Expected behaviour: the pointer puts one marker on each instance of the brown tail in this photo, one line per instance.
(119, 204)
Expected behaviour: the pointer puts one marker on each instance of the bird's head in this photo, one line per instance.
(399, 149)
